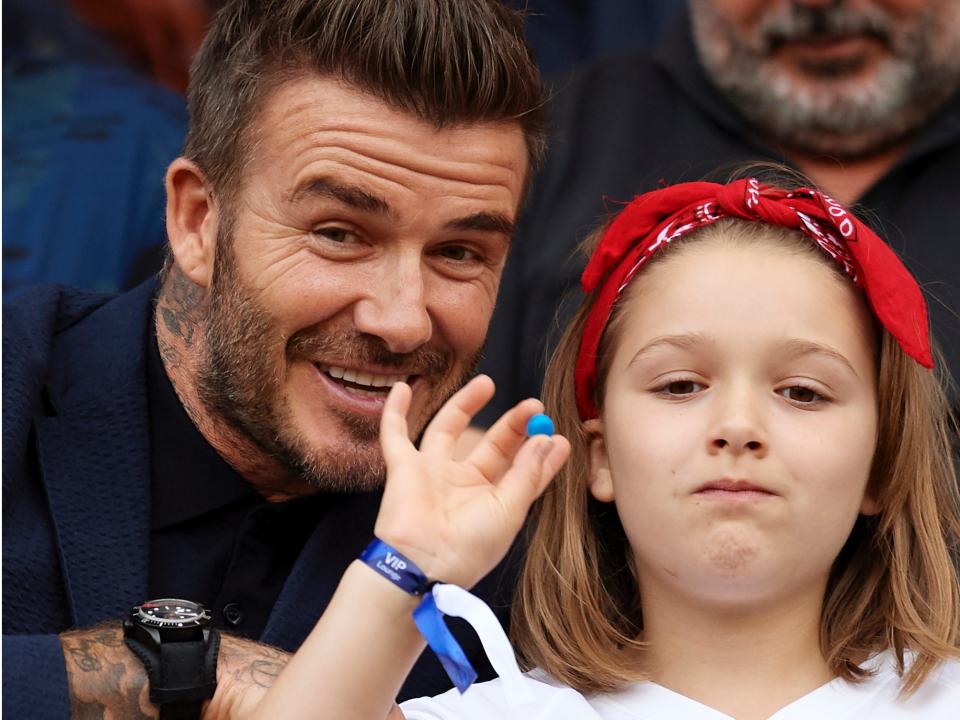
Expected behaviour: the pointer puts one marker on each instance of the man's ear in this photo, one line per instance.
(601, 481)
(192, 220)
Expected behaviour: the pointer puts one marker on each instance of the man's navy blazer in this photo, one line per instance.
(76, 497)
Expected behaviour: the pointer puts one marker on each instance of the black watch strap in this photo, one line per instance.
(181, 711)
(182, 674)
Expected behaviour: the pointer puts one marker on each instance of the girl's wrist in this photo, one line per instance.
(382, 603)
(412, 569)
(381, 595)
(436, 563)
(431, 562)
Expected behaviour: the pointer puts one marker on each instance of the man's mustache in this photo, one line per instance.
(796, 22)
(368, 350)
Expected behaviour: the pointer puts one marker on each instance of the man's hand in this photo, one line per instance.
(108, 682)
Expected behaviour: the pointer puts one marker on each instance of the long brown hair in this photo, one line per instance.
(894, 585)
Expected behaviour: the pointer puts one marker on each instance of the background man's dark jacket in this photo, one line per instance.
(76, 497)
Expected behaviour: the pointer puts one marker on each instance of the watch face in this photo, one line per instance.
(171, 612)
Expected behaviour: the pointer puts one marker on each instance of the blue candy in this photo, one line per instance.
(540, 424)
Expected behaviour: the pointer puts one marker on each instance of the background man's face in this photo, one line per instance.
(846, 77)
(365, 246)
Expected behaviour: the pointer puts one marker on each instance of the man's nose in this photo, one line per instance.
(738, 426)
(394, 308)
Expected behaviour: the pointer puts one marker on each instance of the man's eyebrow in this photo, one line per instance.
(366, 201)
(483, 222)
(683, 341)
(351, 195)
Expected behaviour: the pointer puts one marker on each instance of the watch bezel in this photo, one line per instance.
(200, 619)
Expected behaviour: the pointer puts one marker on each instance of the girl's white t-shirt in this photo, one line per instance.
(872, 699)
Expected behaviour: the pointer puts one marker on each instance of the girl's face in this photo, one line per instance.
(739, 423)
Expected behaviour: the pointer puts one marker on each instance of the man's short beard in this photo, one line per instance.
(239, 384)
(821, 116)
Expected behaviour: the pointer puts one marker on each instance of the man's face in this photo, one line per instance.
(845, 77)
(364, 247)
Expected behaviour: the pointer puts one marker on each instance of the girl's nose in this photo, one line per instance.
(738, 429)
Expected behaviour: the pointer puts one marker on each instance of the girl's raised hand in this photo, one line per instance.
(457, 519)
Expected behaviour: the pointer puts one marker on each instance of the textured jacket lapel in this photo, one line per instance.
(94, 455)
(339, 538)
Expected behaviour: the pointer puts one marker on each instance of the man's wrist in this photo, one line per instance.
(246, 669)
(104, 677)
(178, 646)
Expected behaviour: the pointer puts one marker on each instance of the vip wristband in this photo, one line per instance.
(405, 574)
(396, 568)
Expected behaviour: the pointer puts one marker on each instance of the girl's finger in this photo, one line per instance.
(394, 434)
(555, 460)
(495, 453)
(536, 464)
(455, 415)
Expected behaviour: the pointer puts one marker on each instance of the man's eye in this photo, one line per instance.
(680, 387)
(458, 253)
(338, 235)
(801, 394)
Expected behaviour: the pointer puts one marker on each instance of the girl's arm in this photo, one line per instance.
(454, 519)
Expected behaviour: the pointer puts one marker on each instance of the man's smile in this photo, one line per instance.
(358, 392)
(362, 379)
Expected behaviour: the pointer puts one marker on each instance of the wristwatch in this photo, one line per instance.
(178, 645)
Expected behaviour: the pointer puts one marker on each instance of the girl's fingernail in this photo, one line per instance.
(544, 446)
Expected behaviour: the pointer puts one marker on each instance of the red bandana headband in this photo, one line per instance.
(653, 220)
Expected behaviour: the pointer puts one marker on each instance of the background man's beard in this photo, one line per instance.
(833, 112)
(238, 384)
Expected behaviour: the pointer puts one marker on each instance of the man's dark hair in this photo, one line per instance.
(447, 62)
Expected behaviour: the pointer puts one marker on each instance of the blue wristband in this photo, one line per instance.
(430, 623)
(405, 574)
(396, 568)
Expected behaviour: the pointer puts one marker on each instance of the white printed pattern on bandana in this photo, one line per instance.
(708, 212)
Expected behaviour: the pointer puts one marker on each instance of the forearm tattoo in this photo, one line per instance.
(106, 681)
(247, 663)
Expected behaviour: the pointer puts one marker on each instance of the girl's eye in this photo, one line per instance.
(680, 388)
(801, 395)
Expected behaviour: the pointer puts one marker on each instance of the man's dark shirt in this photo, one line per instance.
(217, 540)
(627, 124)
